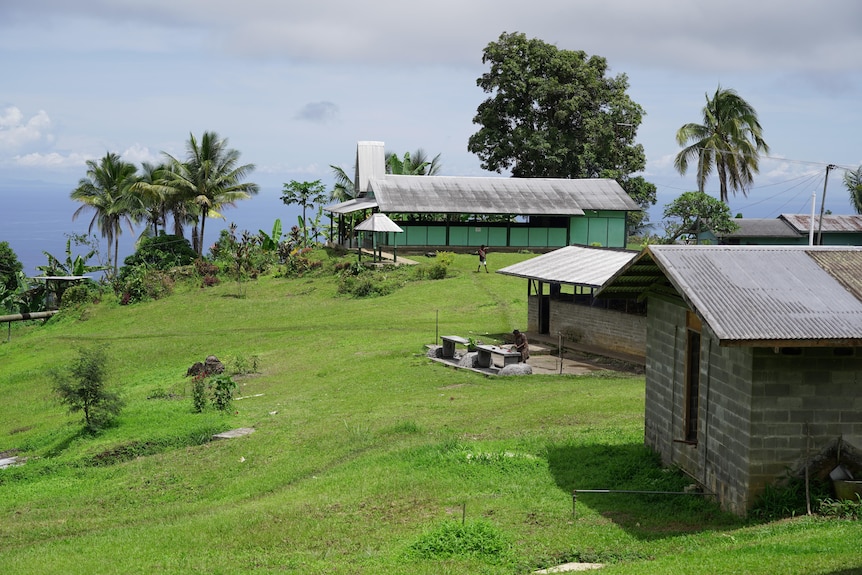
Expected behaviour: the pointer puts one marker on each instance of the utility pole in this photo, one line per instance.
(823, 205)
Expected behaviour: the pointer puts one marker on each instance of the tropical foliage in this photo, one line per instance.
(853, 182)
(416, 164)
(695, 212)
(305, 194)
(729, 141)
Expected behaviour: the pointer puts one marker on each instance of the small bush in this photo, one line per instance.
(477, 539)
(77, 295)
(142, 283)
(217, 389)
(846, 509)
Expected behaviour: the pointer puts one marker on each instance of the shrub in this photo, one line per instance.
(478, 539)
(217, 389)
(142, 283)
(82, 388)
(160, 252)
(77, 295)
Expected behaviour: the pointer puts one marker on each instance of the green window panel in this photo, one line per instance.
(598, 233)
(580, 230)
(519, 237)
(477, 235)
(497, 237)
(458, 236)
(556, 237)
(616, 233)
(436, 236)
(539, 237)
(415, 235)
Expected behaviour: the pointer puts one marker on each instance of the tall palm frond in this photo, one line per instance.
(209, 179)
(106, 191)
(729, 140)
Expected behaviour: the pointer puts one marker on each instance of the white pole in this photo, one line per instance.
(811, 231)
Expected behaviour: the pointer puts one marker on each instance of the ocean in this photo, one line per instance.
(36, 218)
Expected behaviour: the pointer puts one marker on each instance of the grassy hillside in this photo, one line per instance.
(367, 457)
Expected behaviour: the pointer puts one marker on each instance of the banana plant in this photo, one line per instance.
(270, 242)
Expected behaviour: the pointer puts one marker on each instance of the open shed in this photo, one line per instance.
(561, 288)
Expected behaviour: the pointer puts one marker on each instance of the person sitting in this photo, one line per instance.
(521, 346)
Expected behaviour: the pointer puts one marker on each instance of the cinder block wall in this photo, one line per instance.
(815, 396)
(719, 458)
(608, 329)
(761, 412)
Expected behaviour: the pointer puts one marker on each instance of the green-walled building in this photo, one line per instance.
(451, 212)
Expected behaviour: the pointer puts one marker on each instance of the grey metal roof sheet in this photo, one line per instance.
(492, 195)
(762, 295)
(762, 227)
(574, 265)
(349, 206)
(830, 223)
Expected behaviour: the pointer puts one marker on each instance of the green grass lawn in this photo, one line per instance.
(367, 457)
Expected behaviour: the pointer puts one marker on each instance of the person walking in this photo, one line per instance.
(483, 254)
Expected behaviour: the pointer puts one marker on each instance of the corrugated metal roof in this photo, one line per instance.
(574, 265)
(378, 223)
(349, 206)
(491, 195)
(760, 295)
(762, 228)
(830, 223)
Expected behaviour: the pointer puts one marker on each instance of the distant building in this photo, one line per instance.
(753, 361)
(454, 213)
(792, 229)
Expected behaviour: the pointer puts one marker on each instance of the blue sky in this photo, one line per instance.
(294, 87)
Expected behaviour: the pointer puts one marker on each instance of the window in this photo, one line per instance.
(692, 376)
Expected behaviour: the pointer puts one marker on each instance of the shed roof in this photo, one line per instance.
(756, 295)
(493, 195)
(830, 223)
(762, 228)
(574, 265)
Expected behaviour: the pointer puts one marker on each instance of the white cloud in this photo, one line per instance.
(51, 160)
(138, 154)
(17, 132)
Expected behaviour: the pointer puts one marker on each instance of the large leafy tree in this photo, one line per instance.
(853, 182)
(730, 141)
(554, 113)
(210, 178)
(106, 191)
(695, 212)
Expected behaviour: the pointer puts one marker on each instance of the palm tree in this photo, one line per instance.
(210, 178)
(105, 190)
(152, 195)
(415, 165)
(853, 181)
(343, 189)
(729, 140)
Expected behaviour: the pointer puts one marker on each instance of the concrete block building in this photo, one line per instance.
(753, 361)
